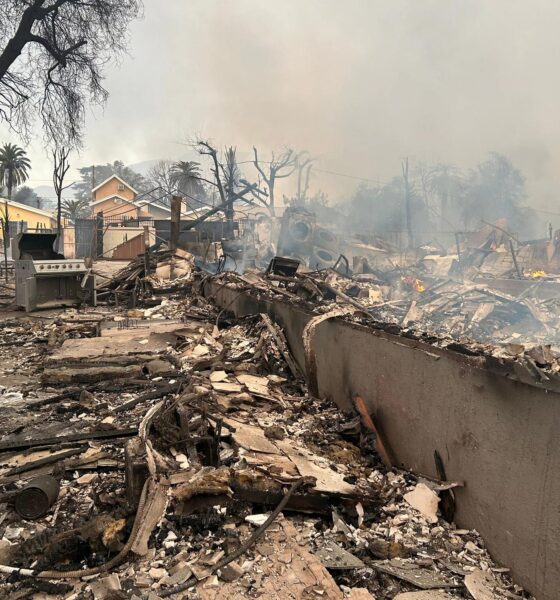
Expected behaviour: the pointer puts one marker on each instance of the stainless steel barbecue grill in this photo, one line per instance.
(44, 278)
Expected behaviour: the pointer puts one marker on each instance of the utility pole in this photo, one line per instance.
(146, 250)
(92, 180)
(408, 211)
(176, 202)
(175, 222)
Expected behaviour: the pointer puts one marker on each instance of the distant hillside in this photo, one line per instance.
(144, 166)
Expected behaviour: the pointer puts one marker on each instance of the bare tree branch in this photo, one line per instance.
(279, 167)
(227, 179)
(205, 148)
(52, 61)
(60, 168)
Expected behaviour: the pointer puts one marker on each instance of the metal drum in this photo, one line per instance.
(35, 499)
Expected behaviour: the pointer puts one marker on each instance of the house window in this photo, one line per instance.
(120, 187)
(117, 200)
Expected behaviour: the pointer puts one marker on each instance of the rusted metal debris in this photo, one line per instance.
(36, 497)
(367, 420)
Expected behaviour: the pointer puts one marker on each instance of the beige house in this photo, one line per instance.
(119, 201)
(115, 199)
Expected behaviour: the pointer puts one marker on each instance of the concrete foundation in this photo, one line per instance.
(496, 434)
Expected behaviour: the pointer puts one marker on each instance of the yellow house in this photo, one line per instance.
(115, 199)
(34, 219)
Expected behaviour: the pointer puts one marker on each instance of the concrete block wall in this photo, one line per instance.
(497, 435)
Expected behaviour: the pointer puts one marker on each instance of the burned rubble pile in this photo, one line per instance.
(514, 334)
(455, 310)
(171, 450)
(489, 287)
(156, 271)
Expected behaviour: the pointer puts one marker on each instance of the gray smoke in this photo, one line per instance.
(360, 84)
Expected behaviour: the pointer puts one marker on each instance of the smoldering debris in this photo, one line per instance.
(215, 474)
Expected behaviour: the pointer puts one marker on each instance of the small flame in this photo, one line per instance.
(416, 284)
(537, 274)
(419, 286)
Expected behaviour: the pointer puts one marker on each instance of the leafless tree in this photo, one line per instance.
(161, 176)
(205, 148)
(227, 179)
(52, 53)
(60, 168)
(279, 167)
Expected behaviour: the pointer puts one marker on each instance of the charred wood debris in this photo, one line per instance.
(160, 447)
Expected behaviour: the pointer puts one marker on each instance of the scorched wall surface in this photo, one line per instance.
(496, 435)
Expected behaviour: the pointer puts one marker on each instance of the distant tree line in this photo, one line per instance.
(164, 179)
(444, 197)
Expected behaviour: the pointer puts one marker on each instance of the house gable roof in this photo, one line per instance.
(109, 179)
(194, 213)
(143, 203)
(19, 205)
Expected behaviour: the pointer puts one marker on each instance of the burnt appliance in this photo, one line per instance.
(44, 278)
(280, 265)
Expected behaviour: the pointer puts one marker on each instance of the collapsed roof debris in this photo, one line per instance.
(456, 293)
(198, 464)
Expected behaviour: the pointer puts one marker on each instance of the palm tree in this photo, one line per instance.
(74, 209)
(185, 176)
(14, 166)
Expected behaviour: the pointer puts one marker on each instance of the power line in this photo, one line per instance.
(546, 212)
(376, 181)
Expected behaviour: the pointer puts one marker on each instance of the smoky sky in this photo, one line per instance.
(358, 83)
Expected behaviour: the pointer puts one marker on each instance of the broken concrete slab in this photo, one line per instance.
(252, 437)
(101, 348)
(68, 376)
(360, 594)
(409, 571)
(425, 501)
(302, 576)
(334, 557)
(327, 480)
(104, 588)
(482, 585)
